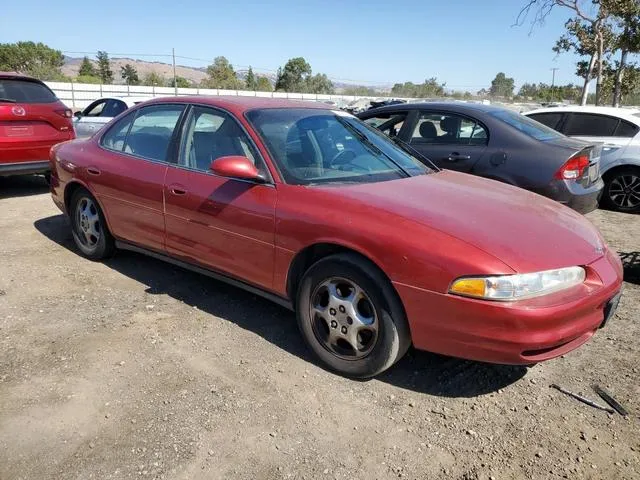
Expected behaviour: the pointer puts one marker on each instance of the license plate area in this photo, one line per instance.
(610, 309)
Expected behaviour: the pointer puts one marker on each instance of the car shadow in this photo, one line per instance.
(421, 372)
(631, 264)
(22, 186)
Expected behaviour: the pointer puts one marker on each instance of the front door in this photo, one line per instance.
(224, 224)
(451, 141)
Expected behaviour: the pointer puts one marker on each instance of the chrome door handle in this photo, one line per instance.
(177, 190)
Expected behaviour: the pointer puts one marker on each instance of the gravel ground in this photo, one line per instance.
(137, 369)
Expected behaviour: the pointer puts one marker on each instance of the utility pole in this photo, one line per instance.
(553, 78)
(175, 83)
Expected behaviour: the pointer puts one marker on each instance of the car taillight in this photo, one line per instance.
(573, 168)
(66, 113)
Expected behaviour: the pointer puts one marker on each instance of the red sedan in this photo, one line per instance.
(374, 249)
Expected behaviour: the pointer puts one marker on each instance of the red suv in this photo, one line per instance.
(32, 120)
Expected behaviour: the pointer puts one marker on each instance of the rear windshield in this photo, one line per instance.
(526, 125)
(25, 91)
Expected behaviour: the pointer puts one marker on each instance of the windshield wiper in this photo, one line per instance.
(369, 144)
(8, 100)
(406, 146)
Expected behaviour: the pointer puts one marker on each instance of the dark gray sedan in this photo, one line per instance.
(497, 143)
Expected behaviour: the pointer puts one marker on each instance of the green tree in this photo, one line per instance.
(626, 15)
(251, 80)
(86, 68)
(88, 79)
(502, 86)
(180, 81)
(104, 67)
(429, 88)
(293, 76)
(129, 74)
(153, 79)
(221, 75)
(263, 84)
(35, 59)
(360, 91)
(318, 83)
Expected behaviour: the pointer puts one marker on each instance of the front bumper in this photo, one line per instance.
(524, 332)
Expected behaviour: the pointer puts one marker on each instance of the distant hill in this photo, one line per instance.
(194, 75)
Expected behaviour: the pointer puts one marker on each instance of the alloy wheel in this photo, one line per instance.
(87, 223)
(624, 191)
(343, 318)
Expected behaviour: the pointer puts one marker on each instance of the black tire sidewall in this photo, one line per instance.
(606, 198)
(104, 247)
(393, 338)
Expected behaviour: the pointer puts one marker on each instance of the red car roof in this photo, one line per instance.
(240, 104)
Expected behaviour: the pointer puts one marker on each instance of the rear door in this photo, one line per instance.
(615, 133)
(452, 141)
(128, 178)
(32, 119)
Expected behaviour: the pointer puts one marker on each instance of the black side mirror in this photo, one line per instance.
(78, 114)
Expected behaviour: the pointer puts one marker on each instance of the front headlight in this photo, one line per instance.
(518, 287)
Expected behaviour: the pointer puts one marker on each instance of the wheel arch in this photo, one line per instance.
(315, 252)
(620, 166)
(75, 185)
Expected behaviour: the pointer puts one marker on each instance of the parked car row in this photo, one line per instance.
(373, 246)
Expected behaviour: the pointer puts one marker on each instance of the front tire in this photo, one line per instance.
(622, 190)
(90, 232)
(350, 316)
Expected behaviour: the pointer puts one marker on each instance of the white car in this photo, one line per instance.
(619, 130)
(98, 113)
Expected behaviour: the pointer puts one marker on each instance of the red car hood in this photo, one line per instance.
(524, 230)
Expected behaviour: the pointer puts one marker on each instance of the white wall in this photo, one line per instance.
(79, 95)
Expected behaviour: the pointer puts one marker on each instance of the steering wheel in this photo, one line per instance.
(342, 161)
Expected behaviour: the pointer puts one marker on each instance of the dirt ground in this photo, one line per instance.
(137, 369)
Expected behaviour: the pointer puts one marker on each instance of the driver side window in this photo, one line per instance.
(211, 134)
(95, 110)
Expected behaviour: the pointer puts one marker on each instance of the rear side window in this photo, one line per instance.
(590, 125)
(626, 129)
(151, 131)
(551, 119)
(116, 137)
(526, 125)
(25, 91)
(447, 128)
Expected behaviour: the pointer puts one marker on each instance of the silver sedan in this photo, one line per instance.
(100, 112)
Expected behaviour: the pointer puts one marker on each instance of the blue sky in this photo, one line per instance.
(461, 42)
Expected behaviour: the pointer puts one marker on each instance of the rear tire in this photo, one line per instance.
(622, 190)
(90, 232)
(351, 317)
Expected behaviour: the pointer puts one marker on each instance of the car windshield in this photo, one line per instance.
(313, 146)
(25, 91)
(526, 125)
